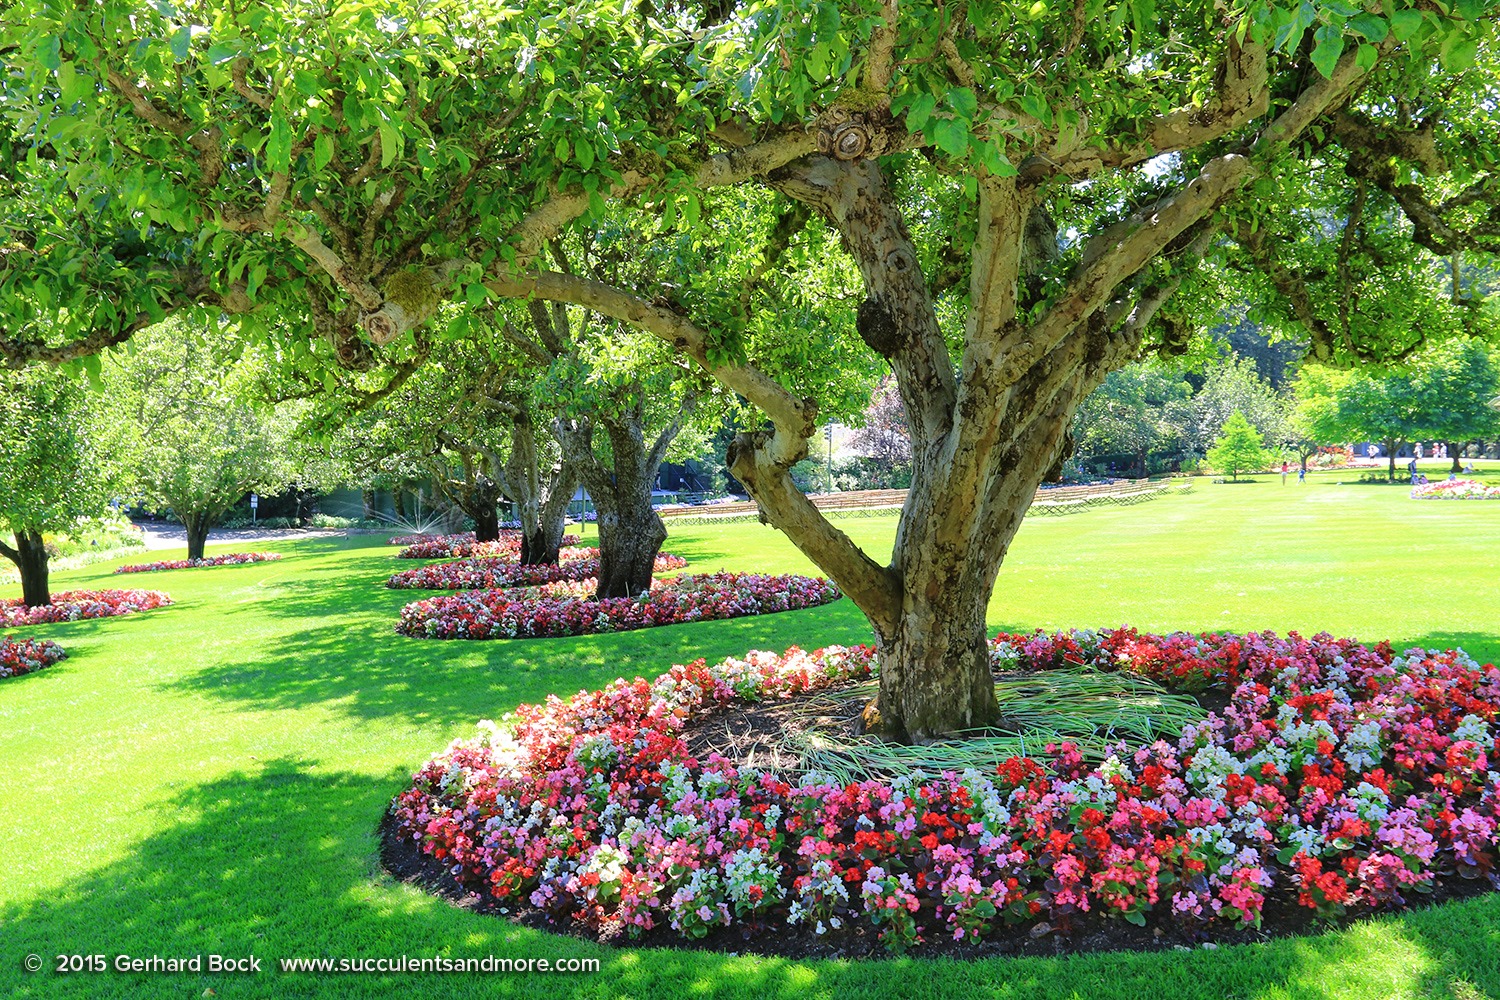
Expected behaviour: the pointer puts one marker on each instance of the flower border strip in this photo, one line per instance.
(499, 614)
(77, 605)
(228, 559)
(499, 574)
(19, 657)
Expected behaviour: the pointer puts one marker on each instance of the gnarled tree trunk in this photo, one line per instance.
(30, 557)
(541, 506)
(631, 533)
(1454, 450)
(197, 525)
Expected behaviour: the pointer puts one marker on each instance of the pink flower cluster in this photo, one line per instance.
(1345, 775)
(1456, 489)
(74, 605)
(24, 656)
(489, 574)
(507, 546)
(499, 614)
(228, 559)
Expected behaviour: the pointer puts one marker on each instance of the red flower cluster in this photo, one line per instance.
(499, 614)
(73, 605)
(24, 656)
(228, 559)
(1347, 776)
(507, 546)
(492, 574)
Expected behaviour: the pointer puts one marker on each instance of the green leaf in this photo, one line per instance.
(1404, 24)
(1366, 56)
(951, 136)
(963, 102)
(562, 150)
(1330, 45)
(75, 86)
(322, 151)
(920, 112)
(585, 154)
(390, 141)
(1458, 51)
(1371, 26)
(182, 43)
(279, 144)
(223, 52)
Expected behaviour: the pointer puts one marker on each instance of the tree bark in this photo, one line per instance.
(1390, 450)
(367, 498)
(30, 557)
(630, 536)
(486, 522)
(1454, 450)
(631, 533)
(197, 526)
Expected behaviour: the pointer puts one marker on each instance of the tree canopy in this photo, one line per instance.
(1014, 203)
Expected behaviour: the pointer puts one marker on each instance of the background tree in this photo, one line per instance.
(884, 436)
(1238, 448)
(1027, 201)
(1441, 394)
(204, 435)
(57, 467)
(1131, 413)
(1230, 384)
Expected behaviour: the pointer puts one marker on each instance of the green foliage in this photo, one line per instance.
(202, 436)
(1443, 394)
(1238, 448)
(58, 465)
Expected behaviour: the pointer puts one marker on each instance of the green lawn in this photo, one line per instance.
(207, 778)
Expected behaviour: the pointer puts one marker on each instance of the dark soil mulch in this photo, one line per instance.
(755, 736)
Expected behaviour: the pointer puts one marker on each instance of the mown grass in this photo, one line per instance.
(207, 778)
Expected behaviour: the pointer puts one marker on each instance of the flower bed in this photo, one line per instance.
(1456, 489)
(489, 574)
(507, 546)
(228, 559)
(498, 614)
(25, 656)
(1339, 778)
(74, 605)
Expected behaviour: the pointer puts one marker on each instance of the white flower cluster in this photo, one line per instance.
(1362, 746)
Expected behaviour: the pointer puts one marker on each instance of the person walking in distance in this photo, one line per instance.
(1284, 467)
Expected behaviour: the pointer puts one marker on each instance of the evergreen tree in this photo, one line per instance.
(1238, 448)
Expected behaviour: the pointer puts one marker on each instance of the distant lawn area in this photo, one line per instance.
(207, 778)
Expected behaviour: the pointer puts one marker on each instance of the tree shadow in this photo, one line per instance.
(1482, 646)
(361, 666)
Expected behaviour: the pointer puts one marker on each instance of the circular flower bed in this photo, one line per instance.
(507, 546)
(25, 656)
(228, 559)
(1456, 489)
(1338, 779)
(74, 605)
(476, 574)
(500, 614)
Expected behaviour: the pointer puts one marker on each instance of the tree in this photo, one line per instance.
(1031, 202)
(1131, 413)
(1232, 384)
(56, 468)
(884, 435)
(1441, 394)
(203, 438)
(1238, 448)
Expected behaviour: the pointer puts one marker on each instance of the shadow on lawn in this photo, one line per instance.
(281, 862)
(372, 672)
(1482, 646)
